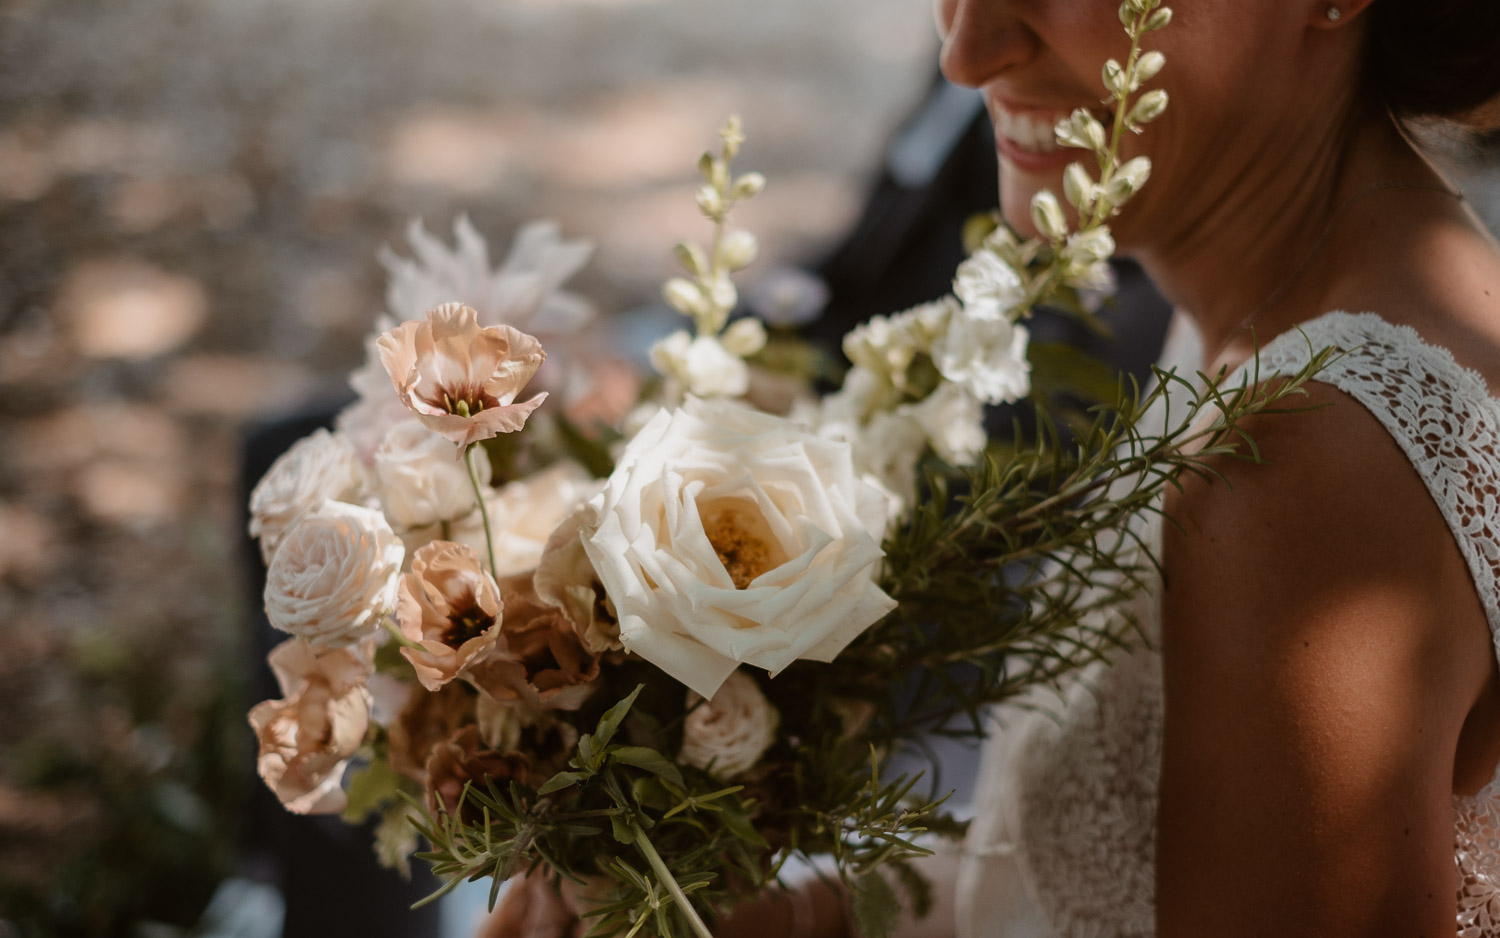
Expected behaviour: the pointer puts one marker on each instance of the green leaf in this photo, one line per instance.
(650, 760)
(612, 718)
(560, 781)
(623, 831)
(875, 906)
(370, 789)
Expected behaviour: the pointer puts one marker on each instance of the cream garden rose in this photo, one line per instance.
(726, 536)
(307, 737)
(318, 466)
(727, 735)
(333, 578)
(418, 480)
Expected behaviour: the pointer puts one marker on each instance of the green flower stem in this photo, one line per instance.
(484, 515)
(669, 881)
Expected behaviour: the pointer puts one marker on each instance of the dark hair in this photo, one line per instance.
(1437, 58)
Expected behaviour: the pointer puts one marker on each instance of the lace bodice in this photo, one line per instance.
(1063, 842)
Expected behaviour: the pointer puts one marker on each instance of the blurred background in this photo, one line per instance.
(192, 195)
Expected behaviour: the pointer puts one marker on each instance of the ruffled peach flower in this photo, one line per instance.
(427, 719)
(545, 663)
(461, 380)
(461, 758)
(451, 608)
(307, 737)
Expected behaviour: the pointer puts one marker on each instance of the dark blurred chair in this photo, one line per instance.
(939, 171)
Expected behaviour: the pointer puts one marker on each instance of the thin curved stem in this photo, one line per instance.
(484, 514)
(670, 882)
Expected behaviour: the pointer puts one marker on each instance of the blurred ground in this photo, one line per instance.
(191, 196)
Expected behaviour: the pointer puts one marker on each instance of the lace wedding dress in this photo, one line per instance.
(1063, 838)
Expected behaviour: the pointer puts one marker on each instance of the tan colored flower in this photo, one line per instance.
(545, 663)
(565, 578)
(451, 608)
(461, 380)
(461, 758)
(727, 735)
(307, 737)
(332, 580)
(318, 466)
(427, 719)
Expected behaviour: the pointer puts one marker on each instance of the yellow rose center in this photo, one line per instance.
(744, 555)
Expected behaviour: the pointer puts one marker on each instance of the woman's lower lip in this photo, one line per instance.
(1032, 161)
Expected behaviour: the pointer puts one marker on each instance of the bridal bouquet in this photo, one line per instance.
(653, 639)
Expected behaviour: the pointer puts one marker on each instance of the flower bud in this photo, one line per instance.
(691, 257)
(1090, 247)
(710, 202)
(684, 296)
(737, 250)
(723, 295)
(1047, 216)
(1078, 187)
(744, 337)
(1114, 77)
(1147, 67)
(1149, 107)
(1083, 130)
(1159, 19)
(748, 186)
(1137, 170)
(706, 167)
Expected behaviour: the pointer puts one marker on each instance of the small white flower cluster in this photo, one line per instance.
(710, 361)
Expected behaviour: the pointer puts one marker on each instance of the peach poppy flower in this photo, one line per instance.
(450, 606)
(461, 379)
(307, 737)
(545, 664)
(426, 720)
(462, 758)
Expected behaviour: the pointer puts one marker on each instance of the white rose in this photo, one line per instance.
(524, 513)
(728, 536)
(986, 355)
(700, 366)
(318, 466)
(421, 480)
(727, 735)
(333, 579)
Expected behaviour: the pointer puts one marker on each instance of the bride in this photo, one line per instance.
(1310, 744)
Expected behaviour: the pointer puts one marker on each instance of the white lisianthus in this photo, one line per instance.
(333, 578)
(987, 285)
(419, 479)
(885, 346)
(953, 421)
(524, 513)
(700, 366)
(727, 735)
(318, 466)
(985, 355)
(727, 536)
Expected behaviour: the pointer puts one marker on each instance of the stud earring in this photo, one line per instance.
(1335, 14)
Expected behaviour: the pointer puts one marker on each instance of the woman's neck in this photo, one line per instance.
(1270, 253)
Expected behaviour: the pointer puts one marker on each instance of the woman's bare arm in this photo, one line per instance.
(1322, 646)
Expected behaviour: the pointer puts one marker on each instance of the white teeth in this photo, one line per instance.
(1030, 130)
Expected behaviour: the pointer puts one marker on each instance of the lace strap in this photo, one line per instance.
(1440, 414)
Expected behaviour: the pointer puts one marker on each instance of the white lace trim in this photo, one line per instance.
(1443, 417)
(1075, 789)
